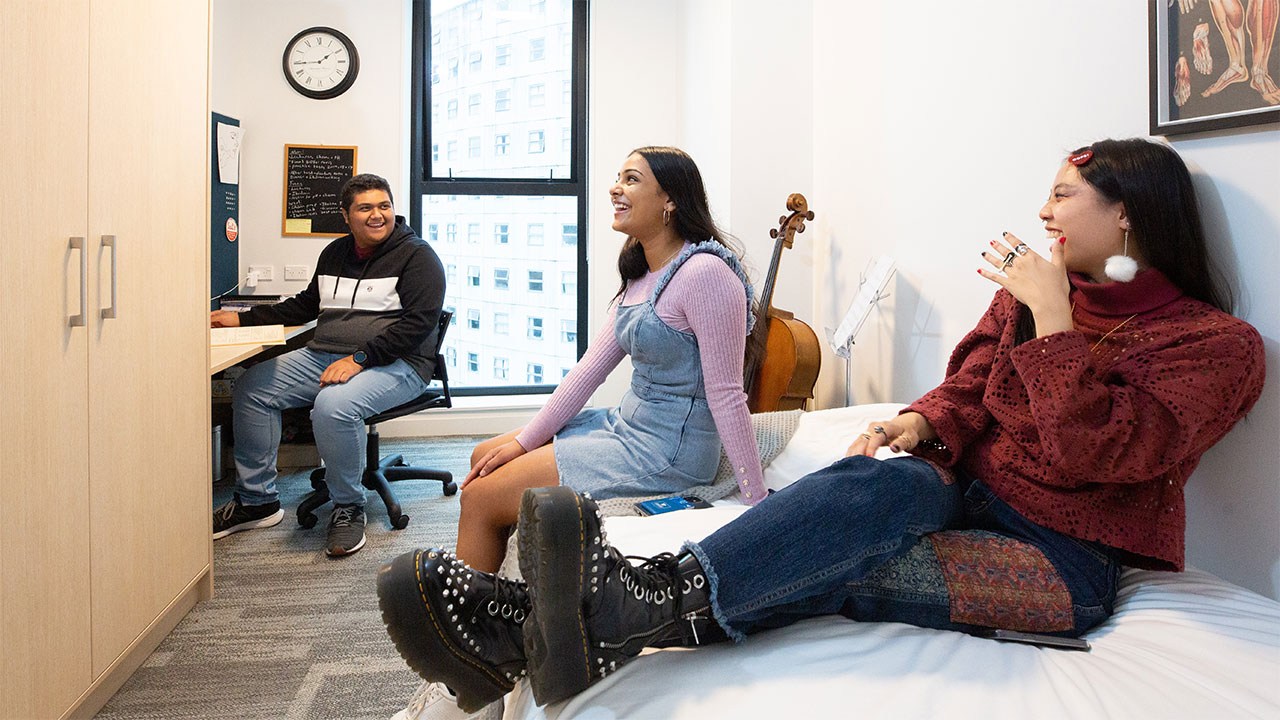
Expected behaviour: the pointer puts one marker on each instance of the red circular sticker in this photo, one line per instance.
(232, 230)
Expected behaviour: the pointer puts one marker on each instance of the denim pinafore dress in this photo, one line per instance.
(661, 439)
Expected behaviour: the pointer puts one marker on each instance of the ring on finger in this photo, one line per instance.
(879, 429)
(864, 435)
(1021, 248)
(1008, 259)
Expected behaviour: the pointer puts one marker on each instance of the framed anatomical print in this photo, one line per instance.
(1213, 64)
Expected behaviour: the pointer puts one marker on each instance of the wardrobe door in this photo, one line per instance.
(44, 534)
(148, 372)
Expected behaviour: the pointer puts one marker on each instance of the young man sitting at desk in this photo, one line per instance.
(376, 296)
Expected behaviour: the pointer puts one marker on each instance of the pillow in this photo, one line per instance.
(821, 438)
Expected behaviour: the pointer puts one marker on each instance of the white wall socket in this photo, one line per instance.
(265, 272)
(297, 272)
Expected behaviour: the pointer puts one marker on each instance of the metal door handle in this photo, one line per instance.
(77, 243)
(110, 241)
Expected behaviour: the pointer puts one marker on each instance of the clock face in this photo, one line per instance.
(321, 62)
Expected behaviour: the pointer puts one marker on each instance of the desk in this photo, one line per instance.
(223, 357)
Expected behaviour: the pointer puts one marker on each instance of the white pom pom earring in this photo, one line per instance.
(1122, 268)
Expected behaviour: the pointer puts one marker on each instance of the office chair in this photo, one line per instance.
(379, 473)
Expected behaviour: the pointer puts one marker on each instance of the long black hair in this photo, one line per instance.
(678, 176)
(1153, 183)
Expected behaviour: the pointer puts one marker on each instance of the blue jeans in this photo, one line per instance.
(847, 540)
(337, 419)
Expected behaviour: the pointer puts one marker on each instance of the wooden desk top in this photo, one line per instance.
(221, 358)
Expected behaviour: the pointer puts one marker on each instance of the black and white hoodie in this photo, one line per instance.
(387, 305)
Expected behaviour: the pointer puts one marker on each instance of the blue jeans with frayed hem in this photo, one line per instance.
(822, 546)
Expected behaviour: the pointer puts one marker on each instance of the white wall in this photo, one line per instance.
(248, 84)
(938, 125)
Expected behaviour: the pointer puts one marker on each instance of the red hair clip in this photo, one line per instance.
(1081, 158)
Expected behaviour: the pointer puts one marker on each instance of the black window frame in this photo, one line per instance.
(422, 183)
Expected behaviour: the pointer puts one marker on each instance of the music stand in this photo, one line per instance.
(872, 282)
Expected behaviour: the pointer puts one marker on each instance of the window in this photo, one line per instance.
(453, 314)
(564, 372)
(510, 77)
(535, 373)
(433, 233)
(451, 356)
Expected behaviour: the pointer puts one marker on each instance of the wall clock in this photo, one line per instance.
(321, 63)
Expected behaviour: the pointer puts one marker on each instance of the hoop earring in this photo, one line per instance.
(666, 217)
(1121, 268)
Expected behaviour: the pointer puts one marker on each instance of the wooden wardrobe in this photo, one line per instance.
(104, 420)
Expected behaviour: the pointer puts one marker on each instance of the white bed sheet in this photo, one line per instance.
(1180, 645)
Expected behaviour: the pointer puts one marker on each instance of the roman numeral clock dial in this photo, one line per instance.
(321, 63)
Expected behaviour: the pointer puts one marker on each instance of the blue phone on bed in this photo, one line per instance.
(658, 506)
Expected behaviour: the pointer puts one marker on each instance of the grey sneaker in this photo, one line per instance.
(346, 530)
(234, 517)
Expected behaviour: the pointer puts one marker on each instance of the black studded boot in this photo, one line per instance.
(592, 609)
(455, 625)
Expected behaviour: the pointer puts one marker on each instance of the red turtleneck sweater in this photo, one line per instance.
(1096, 436)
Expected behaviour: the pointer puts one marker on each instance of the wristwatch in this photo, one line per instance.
(360, 357)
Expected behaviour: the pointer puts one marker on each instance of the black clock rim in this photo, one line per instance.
(334, 91)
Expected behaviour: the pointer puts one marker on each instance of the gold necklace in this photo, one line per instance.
(667, 259)
(1104, 337)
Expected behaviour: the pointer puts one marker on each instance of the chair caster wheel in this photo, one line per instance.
(307, 521)
(401, 522)
(450, 488)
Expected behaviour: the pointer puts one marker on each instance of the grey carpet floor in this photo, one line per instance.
(290, 632)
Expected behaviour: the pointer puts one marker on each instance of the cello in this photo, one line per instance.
(784, 376)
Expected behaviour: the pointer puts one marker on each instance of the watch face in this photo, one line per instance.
(321, 62)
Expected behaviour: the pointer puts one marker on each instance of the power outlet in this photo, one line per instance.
(265, 272)
(297, 272)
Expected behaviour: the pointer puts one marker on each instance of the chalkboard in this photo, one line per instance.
(313, 176)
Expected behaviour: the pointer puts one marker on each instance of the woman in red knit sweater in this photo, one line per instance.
(1054, 452)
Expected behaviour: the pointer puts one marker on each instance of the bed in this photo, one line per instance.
(1180, 645)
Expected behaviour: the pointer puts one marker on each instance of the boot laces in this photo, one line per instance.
(507, 600)
(656, 580)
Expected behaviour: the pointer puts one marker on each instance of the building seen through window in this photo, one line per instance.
(500, 102)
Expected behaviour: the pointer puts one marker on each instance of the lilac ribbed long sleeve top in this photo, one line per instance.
(704, 297)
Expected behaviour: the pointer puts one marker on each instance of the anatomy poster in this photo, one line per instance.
(1215, 61)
